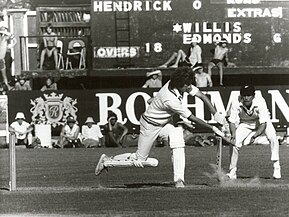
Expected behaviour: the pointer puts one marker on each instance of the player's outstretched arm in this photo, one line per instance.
(199, 121)
(206, 100)
(219, 117)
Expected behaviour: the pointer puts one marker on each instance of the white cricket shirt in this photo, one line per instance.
(165, 104)
(257, 113)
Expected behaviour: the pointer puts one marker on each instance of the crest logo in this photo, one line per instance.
(53, 109)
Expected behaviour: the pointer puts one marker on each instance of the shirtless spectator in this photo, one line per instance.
(50, 46)
(202, 78)
(220, 59)
(22, 84)
(114, 131)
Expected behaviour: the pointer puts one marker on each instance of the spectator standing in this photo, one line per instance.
(220, 59)
(49, 85)
(50, 46)
(7, 41)
(154, 79)
(202, 78)
(114, 131)
(91, 134)
(22, 130)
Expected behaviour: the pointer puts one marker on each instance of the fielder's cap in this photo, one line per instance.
(70, 119)
(20, 115)
(156, 72)
(247, 90)
(223, 41)
(89, 120)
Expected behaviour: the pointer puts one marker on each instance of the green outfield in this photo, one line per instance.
(61, 182)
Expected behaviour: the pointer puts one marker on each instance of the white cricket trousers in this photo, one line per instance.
(243, 131)
(148, 134)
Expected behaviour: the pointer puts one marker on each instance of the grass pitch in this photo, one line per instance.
(61, 182)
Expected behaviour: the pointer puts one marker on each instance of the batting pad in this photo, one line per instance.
(150, 162)
(179, 163)
(176, 138)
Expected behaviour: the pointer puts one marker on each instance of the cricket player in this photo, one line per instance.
(157, 121)
(249, 117)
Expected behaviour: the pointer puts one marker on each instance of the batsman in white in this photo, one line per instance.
(157, 121)
(249, 117)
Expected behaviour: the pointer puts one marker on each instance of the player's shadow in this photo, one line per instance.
(4, 189)
(145, 185)
(150, 185)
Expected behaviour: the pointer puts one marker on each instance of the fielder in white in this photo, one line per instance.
(249, 117)
(157, 121)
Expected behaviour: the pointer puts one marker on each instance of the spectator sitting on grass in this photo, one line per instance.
(92, 136)
(69, 136)
(114, 131)
(22, 130)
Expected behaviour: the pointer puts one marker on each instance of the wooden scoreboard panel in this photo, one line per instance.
(145, 33)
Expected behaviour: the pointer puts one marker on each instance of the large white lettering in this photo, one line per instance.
(130, 106)
(254, 12)
(104, 107)
(232, 38)
(126, 106)
(277, 99)
(113, 52)
(111, 6)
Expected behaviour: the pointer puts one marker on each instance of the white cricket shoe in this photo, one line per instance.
(232, 175)
(277, 173)
(100, 165)
(180, 184)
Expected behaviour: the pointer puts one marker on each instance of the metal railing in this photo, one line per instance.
(32, 46)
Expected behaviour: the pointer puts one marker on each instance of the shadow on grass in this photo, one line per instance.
(151, 185)
(4, 189)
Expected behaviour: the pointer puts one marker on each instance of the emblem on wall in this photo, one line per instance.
(53, 109)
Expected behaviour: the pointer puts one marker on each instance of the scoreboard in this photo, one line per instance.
(148, 32)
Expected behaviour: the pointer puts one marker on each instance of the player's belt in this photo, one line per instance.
(150, 121)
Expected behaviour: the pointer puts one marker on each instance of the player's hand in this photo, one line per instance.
(185, 124)
(220, 118)
(137, 163)
(218, 132)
